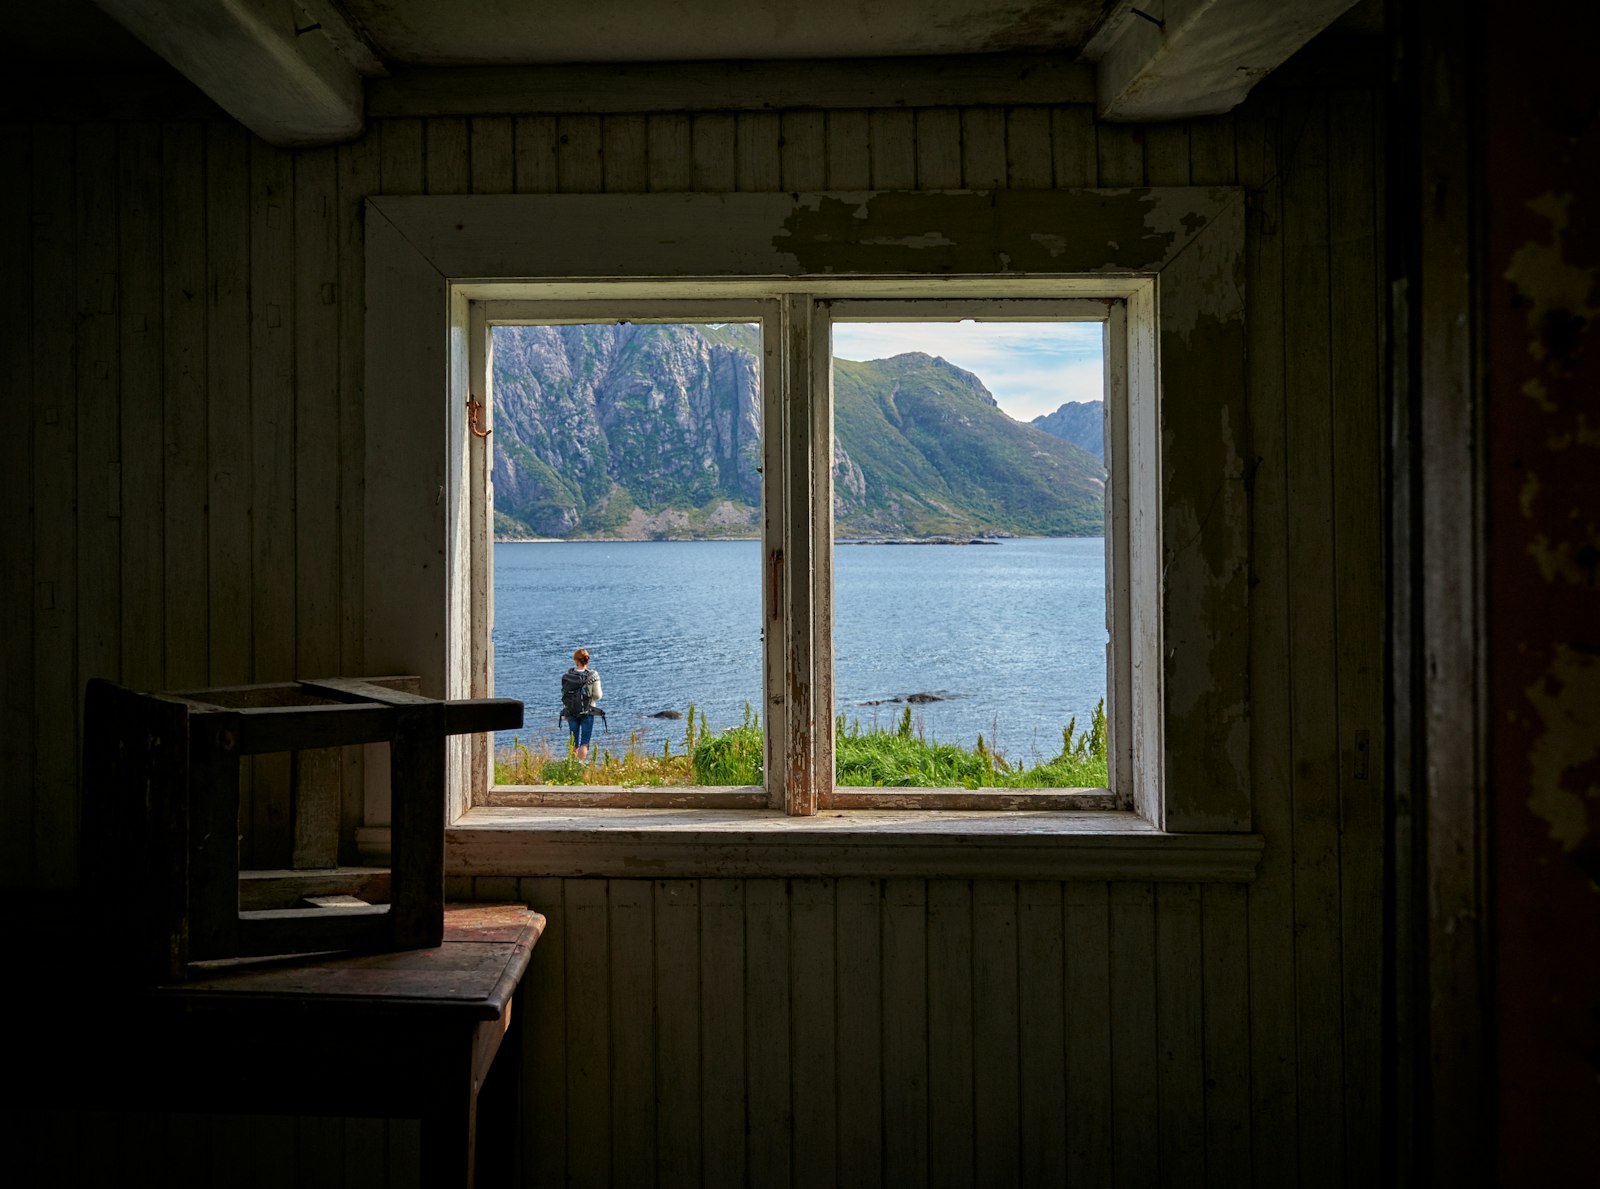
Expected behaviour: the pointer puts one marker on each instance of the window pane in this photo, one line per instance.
(627, 495)
(970, 566)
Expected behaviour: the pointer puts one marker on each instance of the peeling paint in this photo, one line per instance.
(1559, 296)
(1530, 493)
(1576, 564)
(1564, 763)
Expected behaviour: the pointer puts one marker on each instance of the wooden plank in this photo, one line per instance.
(1313, 649)
(1211, 155)
(1134, 1076)
(996, 1036)
(1119, 154)
(938, 149)
(668, 135)
(55, 550)
(983, 148)
(318, 452)
(713, 137)
(905, 1030)
(228, 497)
(678, 1088)
(978, 79)
(1041, 1023)
(1073, 147)
(588, 1024)
(633, 1006)
(99, 559)
(535, 138)
(578, 161)
(1029, 164)
(184, 476)
(417, 755)
(768, 1059)
(268, 826)
(758, 163)
(1271, 921)
(17, 595)
(400, 156)
(139, 237)
(543, 1148)
(1166, 154)
(1180, 1100)
(360, 166)
(950, 1021)
(447, 156)
(814, 1078)
(849, 136)
(894, 149)
(1356, 290)
(283, 889)
(1090, 1012)
(214, 894)
(625, 148)
(1225, 948)
(860, 1011)
(722, 1006)
(493, 157)
(803, 150)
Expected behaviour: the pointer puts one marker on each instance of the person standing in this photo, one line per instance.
(580, 691)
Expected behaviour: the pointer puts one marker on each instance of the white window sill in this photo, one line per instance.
(709, 843)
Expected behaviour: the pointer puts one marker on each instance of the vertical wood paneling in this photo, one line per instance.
(1134, 1079)
(632, 979)
(1211, 156)
(1358, 602)
(849, 150)
(400, 156)
(588, 1026)
(803, 150)
(814, 1026)
(17, 856)
(1028, 154)
(1271, 925)
(938, 149)
(1226, 1010)
(859, 1032)
(894, 149)
(758, 165)
(678, 1043)
(669, 146)
(534, 140)
(625, 153)
(493, 155)
(543, 1146)
(1073, 148)
(996, 1040)
(1180, 1101)
(1166, 154)
(768, 1065)
(905, 1032)
(228, 497)
(723, 1010)
(713, 136)
(55, 550)
(1119, 154)
(950, 1068)
(578, 161)
(272, 440)
(183, 323)
(1088, 1028)
(1041, 1024)
(983, 148)
(1313, 646)
(446, 156)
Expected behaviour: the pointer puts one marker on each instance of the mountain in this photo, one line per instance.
(1080, 422)
(640, 431)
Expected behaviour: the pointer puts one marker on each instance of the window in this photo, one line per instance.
(1161, 267)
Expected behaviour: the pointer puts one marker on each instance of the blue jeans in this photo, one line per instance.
(581, 728)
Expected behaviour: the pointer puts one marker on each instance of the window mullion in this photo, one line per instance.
(799, 557)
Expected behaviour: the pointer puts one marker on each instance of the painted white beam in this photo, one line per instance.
(1170, 59)
(267, 63)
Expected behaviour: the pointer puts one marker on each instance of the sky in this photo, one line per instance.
(1030, 367)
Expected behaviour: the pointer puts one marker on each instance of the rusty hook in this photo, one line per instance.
(475, 419)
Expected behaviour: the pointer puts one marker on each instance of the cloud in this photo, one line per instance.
(1030, 367)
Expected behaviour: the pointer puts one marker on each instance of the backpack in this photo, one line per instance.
(575, 699)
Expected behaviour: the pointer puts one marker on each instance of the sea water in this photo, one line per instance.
(1009, 637)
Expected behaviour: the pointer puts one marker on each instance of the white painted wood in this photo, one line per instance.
(447, 156)
(713, 136)
(938, 149)
(894, 149)
(480, 544)
(849, 150)
(668, 137)
(731, 86)
(1196, 57)
(493, 155)
(1072, 147)
(624, 147)
(804, 716)
(534, 139)
(983, 148)
(756, 146)
(578, 160)
(249, 56)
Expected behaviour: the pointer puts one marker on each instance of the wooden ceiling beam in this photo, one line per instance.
(1172, 59)
(271, 65)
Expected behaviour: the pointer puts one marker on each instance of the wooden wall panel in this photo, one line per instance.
(184, 314)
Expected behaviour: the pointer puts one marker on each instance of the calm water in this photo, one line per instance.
(1012, 634)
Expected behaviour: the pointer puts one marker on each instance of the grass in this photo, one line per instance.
(898, 757)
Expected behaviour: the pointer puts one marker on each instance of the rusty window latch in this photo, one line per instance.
(475, 419)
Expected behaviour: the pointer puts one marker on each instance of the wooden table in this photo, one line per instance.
(398, 1035)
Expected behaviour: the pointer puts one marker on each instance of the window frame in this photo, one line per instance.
(1175, 255)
